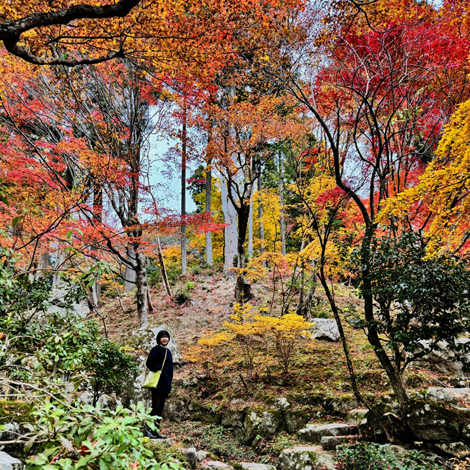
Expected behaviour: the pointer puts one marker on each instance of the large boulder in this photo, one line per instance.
(7, 462)
(356, 416)
(262, 423)
(176, 410)
(325, 329)
(305, 458)
(340, 406)
(454, 449)
(443, 360)
(431, 422)
(455, 397)
(57, 302)
(295, 420)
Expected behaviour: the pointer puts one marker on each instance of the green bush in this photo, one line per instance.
(182, 297)
(371, 456)
(173, 273)
(110, 369)
(81, 436)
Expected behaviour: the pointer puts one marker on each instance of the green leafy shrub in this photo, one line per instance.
(81, 436)
(182, 297)
(173, 272)
(371, 456)
(111, 369)
(154, 273)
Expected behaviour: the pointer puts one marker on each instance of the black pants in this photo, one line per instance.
(158, 403)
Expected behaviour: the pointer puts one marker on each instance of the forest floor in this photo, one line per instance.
(319, 370)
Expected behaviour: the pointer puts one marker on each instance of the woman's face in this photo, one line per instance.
(164, 340)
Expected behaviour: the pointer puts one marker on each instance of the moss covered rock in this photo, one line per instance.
(262, 423)
(305, 458)
(431, 422)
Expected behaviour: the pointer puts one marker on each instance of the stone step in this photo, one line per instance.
(313, 434)
(215, 465)
(256, 466)
(331, 442)
(305, 458)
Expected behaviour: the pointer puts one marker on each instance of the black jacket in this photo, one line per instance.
(154, 363)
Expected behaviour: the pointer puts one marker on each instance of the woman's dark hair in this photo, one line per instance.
(161, 334)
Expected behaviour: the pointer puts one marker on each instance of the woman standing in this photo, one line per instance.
(160, 359)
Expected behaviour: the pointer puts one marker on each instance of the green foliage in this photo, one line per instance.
(56, 344)
(371, 456)
(154, 274)
(217, 442)
(111, 369)
(182, 297)
(81, 436)
(173, 272)
(419, 298)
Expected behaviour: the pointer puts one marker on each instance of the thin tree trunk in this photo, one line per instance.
(208, 208)
(184, 269)
(161, 262)
(281, 203)
(250, 227)
(260, 218)
(142, 288)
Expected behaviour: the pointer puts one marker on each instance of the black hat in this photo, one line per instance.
(161, 334)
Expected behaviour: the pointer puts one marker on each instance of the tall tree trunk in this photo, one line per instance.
(208, 209)
(243, 216)
(129, 273)
(142, 290)
(184, 269)
(281, 203)
(250, 227)
(260, 218)
(230, 230)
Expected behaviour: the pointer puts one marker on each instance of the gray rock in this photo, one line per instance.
(214, 464)
(57, 303)
(313, 434)
(305, 458)
(341, 405)
(295, 420)
(443, 361)
(7, 462)
(332, 442)
(191, 456)
(256, 466)
(325, 329)
(87, 398)
(431, 422)
(10, 433)
(263, 423)
(449, 396)
(466, 432)
(356, 416)
(176, 410)
(281, 404)
(233, 419)
(456, 449)
(202, 455)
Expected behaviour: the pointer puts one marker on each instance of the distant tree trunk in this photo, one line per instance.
(260, 218)
(208, 209)
(281, 203)
(184, 269)
(250, 228)
(161, 262)
(230, 231)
